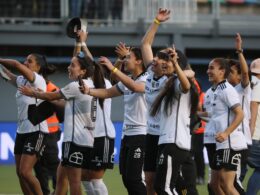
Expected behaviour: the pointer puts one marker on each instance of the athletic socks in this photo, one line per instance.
(89, 188)
(99, 187)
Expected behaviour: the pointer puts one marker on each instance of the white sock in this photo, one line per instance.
(89, 188)
(99, 187)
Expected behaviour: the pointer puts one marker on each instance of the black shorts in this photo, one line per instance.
(30, 143)
(211, 150)
(102, 155)
(151, 151)
(74, 155)
(169, 162)
(50, 157)
(227, 159)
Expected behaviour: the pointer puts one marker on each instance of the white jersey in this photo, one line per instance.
(225, 99)
(80, 114)
(256, 98)
(152, 88)
(175, 128)
(245, 98)
(104, 125)
(24, 125)
(209, 133)
(135, 114)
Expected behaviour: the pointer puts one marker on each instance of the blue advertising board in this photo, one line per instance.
(7, 140)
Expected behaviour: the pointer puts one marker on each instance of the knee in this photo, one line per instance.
(23, 173)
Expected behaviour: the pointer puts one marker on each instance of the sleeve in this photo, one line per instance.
(143, 77)
(230, 97)
(70, 91)
(256, 93)
(121, 87)
(39, 82)
(19, 81)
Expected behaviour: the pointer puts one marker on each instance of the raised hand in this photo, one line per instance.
(106, 62)
(238, 42)
(121, 50)
(163, 14)
(82, 36)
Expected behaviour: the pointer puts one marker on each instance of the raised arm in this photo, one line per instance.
(100, 93)
(24, 70)
(184, 81)
(49, 96)
(126, 80)
(244, 68)
(12, 76)
(147, 41)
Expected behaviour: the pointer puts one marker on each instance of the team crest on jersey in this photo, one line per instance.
(138, 153)
(76, 158)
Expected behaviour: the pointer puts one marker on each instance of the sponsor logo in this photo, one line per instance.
(138, 153)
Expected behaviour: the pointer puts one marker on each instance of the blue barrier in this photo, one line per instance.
(7, 140)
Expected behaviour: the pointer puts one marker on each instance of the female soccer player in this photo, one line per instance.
(79, 120)
(175, 103)
(30, 139)
(134, 127)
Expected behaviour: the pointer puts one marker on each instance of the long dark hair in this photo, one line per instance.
(168, 93)
(45, 68)
(138, 55)
(93, 70)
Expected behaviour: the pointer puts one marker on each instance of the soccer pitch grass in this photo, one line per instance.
(9, 183)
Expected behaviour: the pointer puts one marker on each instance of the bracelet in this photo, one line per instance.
(156, 21)
(239, 51)
(83, 44)
(114, 70)
(78, 44)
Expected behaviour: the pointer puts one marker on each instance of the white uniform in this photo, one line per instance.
(104, 127)
(256, 98)
(245, 98)
(24, 125)
(152, 89)
(175, 128)
(209, 134)
(135, 115)
(225, 99)
(80, 114)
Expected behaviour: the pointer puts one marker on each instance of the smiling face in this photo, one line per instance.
(215, 73)
(75, 69)
(234, 77)
(32, 64)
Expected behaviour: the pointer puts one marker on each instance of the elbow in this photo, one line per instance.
(186, 88)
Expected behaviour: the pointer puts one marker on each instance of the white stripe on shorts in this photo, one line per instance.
(168, 178)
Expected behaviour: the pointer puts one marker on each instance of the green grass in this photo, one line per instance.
(9, 183)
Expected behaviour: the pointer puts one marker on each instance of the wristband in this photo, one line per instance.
(239, 51)
(114, 70)
(83, 44)
(156, 21)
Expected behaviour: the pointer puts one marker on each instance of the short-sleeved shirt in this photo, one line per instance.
(225, 98)
(209, 133)
(153, 87)
(175, 128)
(135, 106)
(104, 125)
(256, 98)
(80, 114)
(245, 98)
(24, 125)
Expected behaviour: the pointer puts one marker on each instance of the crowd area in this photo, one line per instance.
(168, 120)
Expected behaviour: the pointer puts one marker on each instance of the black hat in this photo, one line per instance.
(74, 25)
